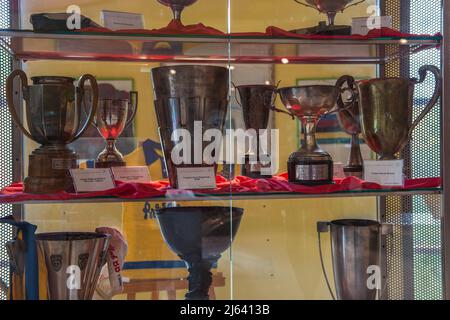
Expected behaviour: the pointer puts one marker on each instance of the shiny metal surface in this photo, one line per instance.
(177, 6)
(86, 251)
(330, 7)
(355, 246)
(256, 101)
(111, 119)
(199, 236)
(53, 114)
(349, 121)
(184, 95)
(386, 111)
(309, 104)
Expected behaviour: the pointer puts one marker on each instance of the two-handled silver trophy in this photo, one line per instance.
(311, 165)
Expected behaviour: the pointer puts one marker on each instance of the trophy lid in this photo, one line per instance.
(52, 80)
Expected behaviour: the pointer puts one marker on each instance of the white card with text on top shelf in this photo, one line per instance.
(196, 178)
(114, 20)
(384, 172)
(92, 180)
(137, 174)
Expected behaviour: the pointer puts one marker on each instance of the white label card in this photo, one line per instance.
(196, 178)
(131, 174)
(384, 172)
(91, 180)
(122, 20)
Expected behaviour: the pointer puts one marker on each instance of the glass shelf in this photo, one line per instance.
(192, 196)
(127, 47)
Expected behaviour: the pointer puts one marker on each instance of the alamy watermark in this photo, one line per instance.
(211, 147)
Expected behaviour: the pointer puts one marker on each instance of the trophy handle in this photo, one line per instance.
(235, 94)
(80, 91)
(436, 95)
(324, 227)
(340, 105)
(306, 5)
(10, 98)
(274, 108)
(134, 104)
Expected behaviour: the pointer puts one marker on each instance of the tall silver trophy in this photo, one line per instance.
(73, 263)
(190, 101)
(257, 102)
(386, 110)
(356, 257)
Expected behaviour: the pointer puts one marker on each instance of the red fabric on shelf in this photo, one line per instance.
(176, 27)
(239, 185)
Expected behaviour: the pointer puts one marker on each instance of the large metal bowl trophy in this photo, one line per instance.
(311, 165)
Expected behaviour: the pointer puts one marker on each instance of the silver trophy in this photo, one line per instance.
(356, 252)
(349, 120)
(73, 263)
(330, 8)
(177, 6)
(311, 165)
(257, 102)
(192, 98)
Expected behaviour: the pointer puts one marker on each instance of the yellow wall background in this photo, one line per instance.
(275, 253)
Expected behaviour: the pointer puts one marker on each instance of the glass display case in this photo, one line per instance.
(227, 149)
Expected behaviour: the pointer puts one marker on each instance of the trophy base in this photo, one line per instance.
(253, 170)
(48, 170)
(110, 164)
(325, 30)
(110, 157)
(310, 172)
(354, 171)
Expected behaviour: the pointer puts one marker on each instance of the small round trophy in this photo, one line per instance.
(53, 113)
(112, 118)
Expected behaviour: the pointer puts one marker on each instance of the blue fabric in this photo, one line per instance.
(31, 259)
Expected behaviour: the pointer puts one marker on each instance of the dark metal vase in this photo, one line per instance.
(53, 113)
(199, 235)
(256, 101)
(185, 95)
(355, 248)
(60, 251)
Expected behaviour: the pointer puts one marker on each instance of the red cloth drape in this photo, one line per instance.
(177, 28)
(239, 185)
